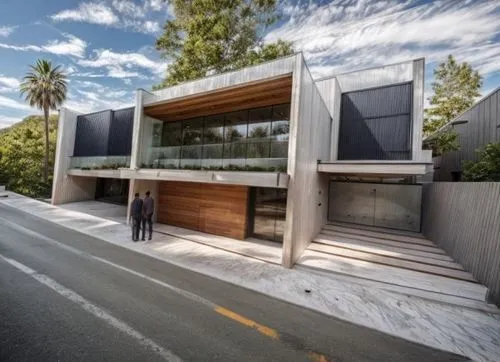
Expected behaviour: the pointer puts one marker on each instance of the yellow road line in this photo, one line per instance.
(316, 357)
(247, 322)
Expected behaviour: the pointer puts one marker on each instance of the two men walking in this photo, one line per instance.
(142, 213)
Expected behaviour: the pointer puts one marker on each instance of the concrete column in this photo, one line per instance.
(135, 156)
(418, 109)
(131, 187)
(68, 188)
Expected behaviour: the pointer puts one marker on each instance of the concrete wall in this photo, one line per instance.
(259, 72)
(67, 188)
(332, 95)
(332, 88)
(476, 127)
(464, 219)
(307, 198)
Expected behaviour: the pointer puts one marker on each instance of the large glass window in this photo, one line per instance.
(213, 142)
(251, 140)
(171, 142)
(192, 143)
(259, 137)
(235, 136)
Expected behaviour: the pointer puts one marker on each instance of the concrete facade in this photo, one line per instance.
(315, 115)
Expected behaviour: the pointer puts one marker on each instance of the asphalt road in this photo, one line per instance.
(68, 297)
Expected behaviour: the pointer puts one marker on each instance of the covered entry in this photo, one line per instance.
(395, 206)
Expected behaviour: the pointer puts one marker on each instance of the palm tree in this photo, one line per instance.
(45, 87)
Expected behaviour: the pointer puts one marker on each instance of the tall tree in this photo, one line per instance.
(455, 87)
(45, 87)
(208, 37)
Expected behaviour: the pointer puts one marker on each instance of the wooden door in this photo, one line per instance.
(215, 209)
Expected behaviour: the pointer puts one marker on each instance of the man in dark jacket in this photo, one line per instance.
(148, 208)
(136, 213)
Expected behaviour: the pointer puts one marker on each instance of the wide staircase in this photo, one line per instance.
(399, 261)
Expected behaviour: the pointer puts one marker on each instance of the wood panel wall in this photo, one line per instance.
(464, 219)
(215, 209)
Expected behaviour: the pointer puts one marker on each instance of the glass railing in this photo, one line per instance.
(244, 156)
(99, 162)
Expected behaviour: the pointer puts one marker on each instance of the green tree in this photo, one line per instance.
(21, 156)
(208, 37)
(45, 87)
(456, 86)
(487, 167)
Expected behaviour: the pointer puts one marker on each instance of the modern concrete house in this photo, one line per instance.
(476, 127)
(265, 152)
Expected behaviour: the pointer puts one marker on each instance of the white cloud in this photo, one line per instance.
(88, 12)
(7, 121)
(13, 104)
(157, 5)
(73, 46)
(348, 35)
(129, 8)
(124, 14)
(9, 82)
(119, 72)
(151, 27)
(122, 65)
(6, 30)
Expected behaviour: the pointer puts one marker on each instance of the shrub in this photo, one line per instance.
(487, 167)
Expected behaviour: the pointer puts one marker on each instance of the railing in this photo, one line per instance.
(99, 162)
(244, 156)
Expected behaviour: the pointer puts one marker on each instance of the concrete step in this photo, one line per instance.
(392, 275)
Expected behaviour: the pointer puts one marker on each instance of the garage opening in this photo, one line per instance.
(395, 206)
(112, 190)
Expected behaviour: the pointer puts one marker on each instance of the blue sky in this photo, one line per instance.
(107, 46)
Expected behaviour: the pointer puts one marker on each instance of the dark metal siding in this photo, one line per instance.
(106, 133)
(92, 131)
(120, 135)
(375, 124)
(482, 127)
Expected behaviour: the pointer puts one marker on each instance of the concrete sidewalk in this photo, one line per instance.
(469, 332)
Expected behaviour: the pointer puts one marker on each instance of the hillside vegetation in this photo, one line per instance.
(22, 152)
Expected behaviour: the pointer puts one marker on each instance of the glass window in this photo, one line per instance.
(213, 141)
(171, 141)
(259, 137)
(192, 143)
(268, 212)
(251, 139)
(235, 135)
(279, 134)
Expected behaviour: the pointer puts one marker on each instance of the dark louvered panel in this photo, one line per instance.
(375, 124)
(120, 135)
(92, 133)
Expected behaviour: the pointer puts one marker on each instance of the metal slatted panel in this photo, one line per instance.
(464, 219)
(92, 132)
(482, 127)
(120, 135)
(376, 124)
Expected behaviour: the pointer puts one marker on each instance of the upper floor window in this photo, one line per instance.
(252, 139)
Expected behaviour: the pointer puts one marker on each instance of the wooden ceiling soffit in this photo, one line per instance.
(262, 94)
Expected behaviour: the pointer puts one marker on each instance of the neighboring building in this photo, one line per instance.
(476, 127)
(265, 151)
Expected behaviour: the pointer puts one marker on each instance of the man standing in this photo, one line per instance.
(148, 208)
(136, 213)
